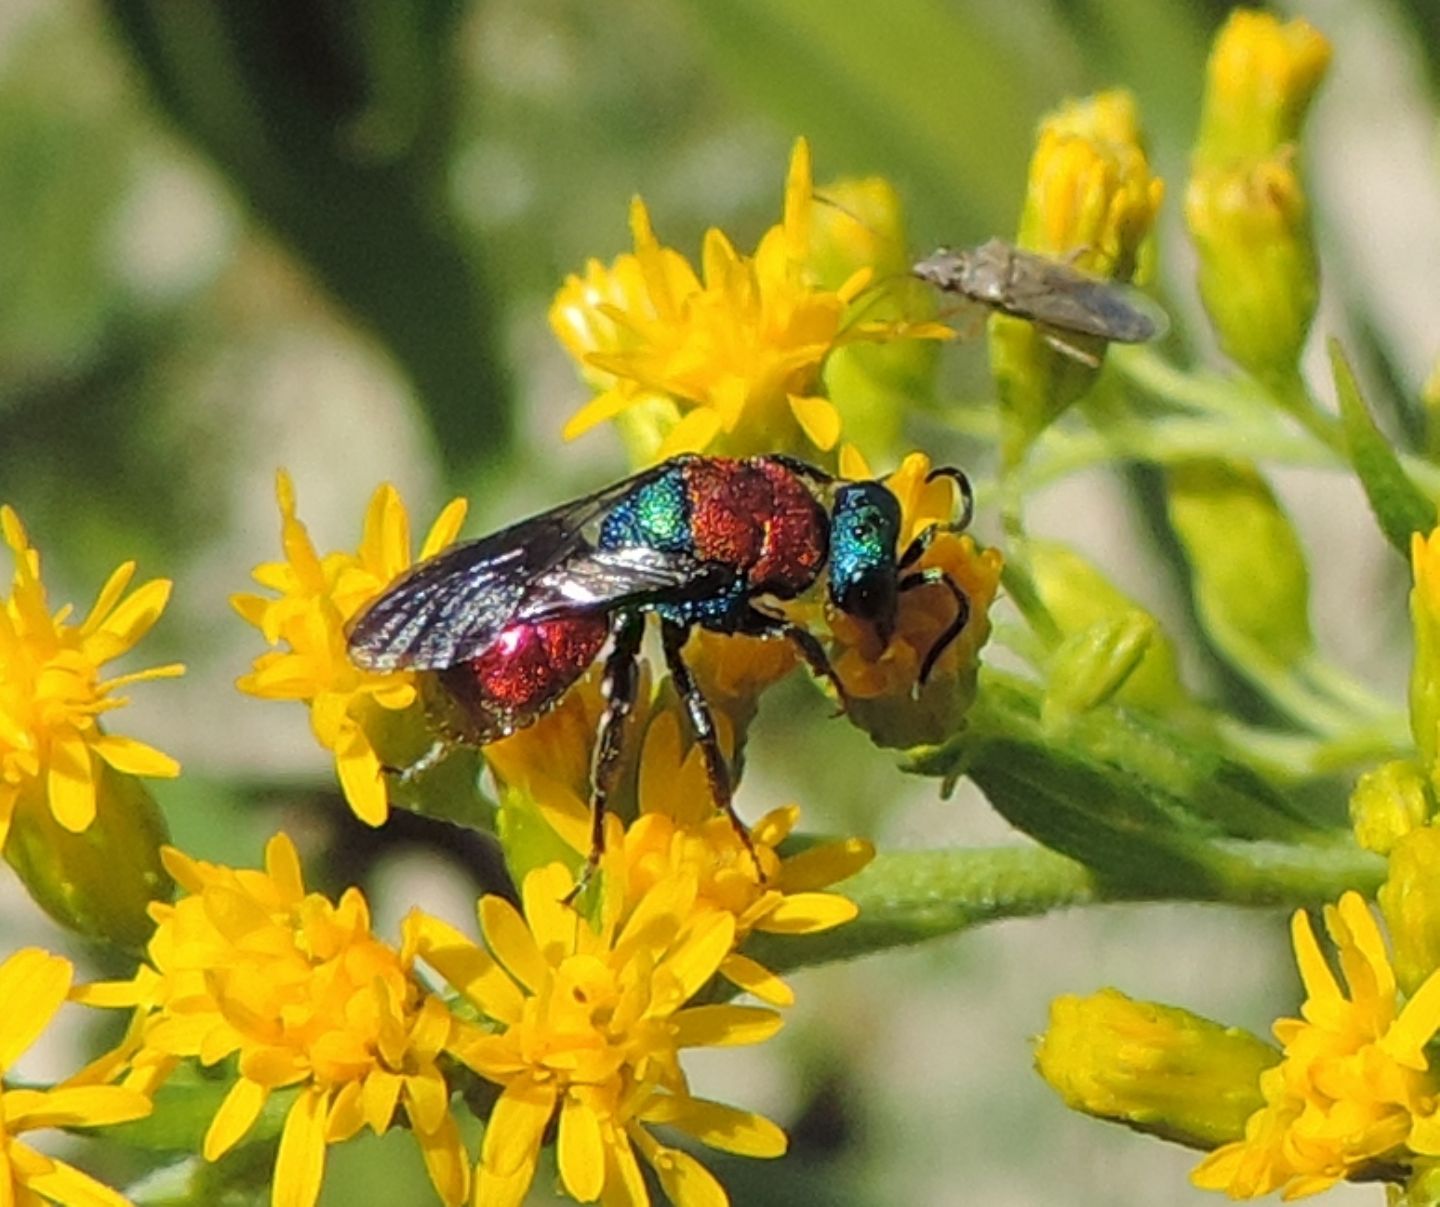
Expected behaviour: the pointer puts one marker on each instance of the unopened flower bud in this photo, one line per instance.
(1388, 803)
(1158, 1068)
(1410, 902)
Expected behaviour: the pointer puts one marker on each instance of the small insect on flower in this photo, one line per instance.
(1057, 297)
(510, 622)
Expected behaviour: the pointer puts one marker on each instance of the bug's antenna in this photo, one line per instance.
(922, 542)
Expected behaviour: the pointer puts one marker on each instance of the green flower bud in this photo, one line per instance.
(1410, 901)
(1388, 803)
(1251, 584)
(1158, 1069)
(1259, 277)
(1245, 204)
(1092, 665)
(100, 882)
(1079, 596)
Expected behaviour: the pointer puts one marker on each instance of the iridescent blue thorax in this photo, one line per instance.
(864, 530)
(654, 516)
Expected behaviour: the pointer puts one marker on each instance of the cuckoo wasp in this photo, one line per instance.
(509, 622)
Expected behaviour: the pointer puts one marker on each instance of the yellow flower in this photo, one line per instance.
(728, 360)
(1260, 80)
(316, 597)
(52, 693)
(1090, 200)
(886, 698)
(248, 964)
(680, 832)
(33, 985)
(585, 1029)
(1354, 1089)
(1156, 1068)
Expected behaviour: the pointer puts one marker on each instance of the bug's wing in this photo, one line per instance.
(1058, 296)
(451, 606)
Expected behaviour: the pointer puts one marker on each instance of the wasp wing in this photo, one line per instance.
(1056, 295)
(451, 606)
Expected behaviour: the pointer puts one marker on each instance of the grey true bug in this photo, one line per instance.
(1058, 298)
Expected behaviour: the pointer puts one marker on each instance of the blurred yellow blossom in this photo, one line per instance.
(33, 985)
(301, 992)
(728, 360)
(1354, 1087)
(584, 1030)
(315, 597)
(52, 693)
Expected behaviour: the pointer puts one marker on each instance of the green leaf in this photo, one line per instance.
(1399, 505)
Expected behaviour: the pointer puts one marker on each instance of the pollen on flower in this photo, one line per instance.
(1354, 1087)
(584, 1029)
(302, 993)
(314, 597)
(53, 692)
(732, 354)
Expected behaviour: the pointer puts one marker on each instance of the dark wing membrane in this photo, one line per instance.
(1069, 300)
(451, 606)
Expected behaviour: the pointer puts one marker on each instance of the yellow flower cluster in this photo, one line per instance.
(315, 597)
(249, 965)
(1354, 1088)
(728, 360)
(53, 692)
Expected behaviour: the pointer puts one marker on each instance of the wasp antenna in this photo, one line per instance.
(967, 494)
(953, 629)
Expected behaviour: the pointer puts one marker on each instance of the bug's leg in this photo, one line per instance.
(923, 578)
(1063, 346)
(761, 624)
(617, 686)
(702, 725)
(434, 754)
(802, 469)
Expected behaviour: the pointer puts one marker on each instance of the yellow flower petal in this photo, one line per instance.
(134, 757)
(129, 622)
(33, 984)
(300, 1163)
(580, 1150)
(717, 1125)
(724, 1026)
(236, 1116)
(754, 978)
(71, 784)
(512, 1137)
(446, 1161)
(825, 864)
(600, 409)
(445, 528)
(692, 434)
(60, 1183)
(427, 1098)
(360, 775)
(685, 1181)
(468, 967)
(510, 939)
(818, 419)
(806, 913)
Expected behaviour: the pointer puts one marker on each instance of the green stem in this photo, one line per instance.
(909, 897)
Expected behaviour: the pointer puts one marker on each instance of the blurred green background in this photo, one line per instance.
(323, 235)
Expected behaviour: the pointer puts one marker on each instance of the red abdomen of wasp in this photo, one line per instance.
(524, 671)
(758, 516)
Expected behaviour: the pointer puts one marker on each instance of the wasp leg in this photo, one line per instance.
(702, 725)
(436, 751)
(756, 623)
(916, 549)
(617, 686)
(923, 578)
